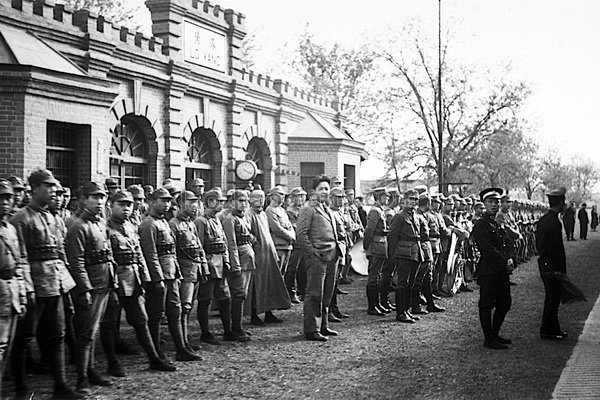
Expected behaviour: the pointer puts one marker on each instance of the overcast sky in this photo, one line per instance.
(554, 45)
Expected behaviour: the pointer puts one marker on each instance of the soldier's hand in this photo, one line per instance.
(30, 299)
(203, 278)
(84, 300)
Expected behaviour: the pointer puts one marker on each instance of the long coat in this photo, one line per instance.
(267, 289)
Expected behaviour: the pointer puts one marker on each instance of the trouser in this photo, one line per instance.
(239, 282)
(406, 271)
(550, 323)
(46, 319)
(494, 293)
(218, 289)
(387, 273)
(441, 270)
(583, 229)
(161, 301)
(86, 322)
(8, 326)
(187, 290)
(422, 279)
(347, 264)
(284, 260)
(295, 280)
(320, 283)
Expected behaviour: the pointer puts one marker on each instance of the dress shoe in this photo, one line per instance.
(465, 288)
(241, 336)
(422, 300)
(270, 318)
(375, 311)
(161, 365)
(404, 318)
(383, 309)
(209, 338)
(229, 336)
(65, 392)
(410, 315)
(492, 343)
(328, 332)
(333, 318)
(340, 291)
(115, 369)
(338, 314)
(345, 281)
(446, 293)
(549, 336)
(294, 298)
(503, 340)
(186, 355)
(193, 348)
(418, 310)
(435, 308)
(435, 297)
(255, 320)
(315, 337)
(95, 379)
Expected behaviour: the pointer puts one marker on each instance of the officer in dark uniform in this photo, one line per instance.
(376, 247)
(162, 294)
(495, 265)
(552, 263)
(132, 274)
(91, 264)
(406, 249)
(50, 279)
(13, 267)
(214, 243)
(190, 254)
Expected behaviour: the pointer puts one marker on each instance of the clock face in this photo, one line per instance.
(245, 170)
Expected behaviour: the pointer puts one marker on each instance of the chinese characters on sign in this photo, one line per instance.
(203, 47)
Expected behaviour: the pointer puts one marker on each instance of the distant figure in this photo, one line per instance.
(584, 221)
(569, 221)
(594, 223)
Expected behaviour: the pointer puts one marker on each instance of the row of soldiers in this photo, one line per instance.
(423, 242)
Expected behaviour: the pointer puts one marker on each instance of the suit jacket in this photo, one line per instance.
(405, 236)
(317, 234)
(376, 226)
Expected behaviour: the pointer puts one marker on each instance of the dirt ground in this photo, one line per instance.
(440, 357)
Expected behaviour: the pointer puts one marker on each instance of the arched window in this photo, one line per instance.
(129, 151)
(203, 158)
(258, 151)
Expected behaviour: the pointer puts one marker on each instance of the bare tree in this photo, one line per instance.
(121, 12)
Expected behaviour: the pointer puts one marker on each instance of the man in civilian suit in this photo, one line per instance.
(316, 235)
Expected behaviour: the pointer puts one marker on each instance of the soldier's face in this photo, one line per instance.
(411, 201)
(449, 206)
(137, 203)
(19, 194)
(322, 190)
(44, 193)
(191, 208)
(6, 204)
(276, 199)
(122, 210)
(161, 205)
(435, 205)
(337, 201)
(240, 204)
(299, 200)
(491, 206)
(198, 190)
(257, 201)
(94, 203)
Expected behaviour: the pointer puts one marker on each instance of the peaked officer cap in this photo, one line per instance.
(491, 193)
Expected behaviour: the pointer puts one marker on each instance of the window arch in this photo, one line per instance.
(258, 151)
(129, 150)
(203, 158)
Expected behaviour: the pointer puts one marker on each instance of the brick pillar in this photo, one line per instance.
(174, 145)
(167, 17)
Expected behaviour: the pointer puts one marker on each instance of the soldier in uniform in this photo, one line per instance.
(376, 247)
(496, 263)
(132, 274)
(38, 231)
(295, 277)
(280, 227)
(162, 292)
(112, 185)
(139, 205)
(212, 236)
(19, 189)
(13, 267)
(437, 232)
(192, 261)
(198, 187)
(337, 198)
(241, 260)
(552, 263)
(91, 265)
(355, 233)
(406, 249)
(317, 236)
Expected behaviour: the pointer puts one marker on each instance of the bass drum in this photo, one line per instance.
(360, 264)
(454, 277)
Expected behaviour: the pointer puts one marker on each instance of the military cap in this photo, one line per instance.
(478, 204)
(122, 195)
(336, 179)
(188, 195)
(277, 190)
(67, 190)
(411, 193)
(297, 191)
(198, 182)
(257, 192)
(59, 188)
(230, 193)
(491, 193)
(558, 192)
(17, 183)
(379, 191)
(167, 181)
(92, 188)
(336, 191)
(393, 191)
(424, 199)
(6, 187)
(214, 194)
(237, 193)
(161, 193)
(111, 183)
(420, 189)
(172, 188)
(148, 189)
(435, 198)
(137, 192)
(349, 192)
(505, 197)
(40, 176)
(469, 200)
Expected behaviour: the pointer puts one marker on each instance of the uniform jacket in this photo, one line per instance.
(549, 242)
(405, 236)
(341, 221)
(210, 230)
(582, 216)
(90, 254)
(237, 231)
(424, 234)
(37, 229)
(281, 228)
(437, 230)
(13, 267)
(190, 254)
(317, 233)
(158, 247)
(494, 246)
(377, 227)
(131, 268)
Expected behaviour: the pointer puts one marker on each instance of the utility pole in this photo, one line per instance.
(440, 121)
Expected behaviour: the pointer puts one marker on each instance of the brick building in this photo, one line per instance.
(89, 99)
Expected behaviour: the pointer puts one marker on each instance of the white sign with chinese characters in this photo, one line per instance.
(204, 47)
